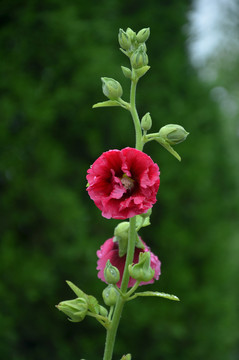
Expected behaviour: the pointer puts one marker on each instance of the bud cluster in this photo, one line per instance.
(133, 45)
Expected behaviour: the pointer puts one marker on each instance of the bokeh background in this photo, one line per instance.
(53, 54)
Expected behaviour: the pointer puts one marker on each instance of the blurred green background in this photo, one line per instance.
(53, 54)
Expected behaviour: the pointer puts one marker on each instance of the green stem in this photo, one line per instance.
(111, 332)
(135, 116)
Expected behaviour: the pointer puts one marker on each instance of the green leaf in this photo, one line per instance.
(157, 294)
(169, 148)
(77, 291)
(107, 103)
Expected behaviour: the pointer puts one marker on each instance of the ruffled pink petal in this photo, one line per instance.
(109, 193)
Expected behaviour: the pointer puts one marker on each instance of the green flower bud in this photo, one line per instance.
(110, 295)
(121, 237)
(122, 229)
(111, 88)
(76, 309)
(139, 58)
(126, 357)
(103, 311)
(173, 133)
(131, 34)
(142, 271)
(143, 35)
(146, 122)
(127, 72)
(124, 40)
(111, 273)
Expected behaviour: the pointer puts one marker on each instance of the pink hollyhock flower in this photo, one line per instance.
(110, 251)
(123, 183)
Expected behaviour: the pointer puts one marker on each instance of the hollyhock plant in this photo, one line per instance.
(123, 183)
(110, 251)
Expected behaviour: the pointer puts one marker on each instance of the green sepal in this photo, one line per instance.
(106, 104)
(121, 237)
(77, 291)
(127, 72)
(157, 294)
(103, 311)
(123, 245)
(91, 300)
(142, 222)
(126, 357)
(124, 52)
(93, 304)
(168, 147)
(141, 71)
(139, 243)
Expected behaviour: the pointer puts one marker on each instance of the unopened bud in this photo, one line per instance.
(146, 122)
(103, 311)
(126, 357)
(76, 309)
(121, 237)
(111, 273)
(127, 72)
(143, 35)
(142, 271)
(122, 230)
(110, 295)
(173, 133)
(139, 58)
(131, 34)
(124, 40)
(111, 88)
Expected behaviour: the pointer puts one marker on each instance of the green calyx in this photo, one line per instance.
(121, 237)
(143, 35)
(174, 134)
(111, 88)
(75, 309)
(126, 357)
(139, 57)
(146, 122)
(111, 273)
(142, 271)
(110, 295)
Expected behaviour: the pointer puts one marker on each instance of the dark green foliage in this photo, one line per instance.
(53, 55)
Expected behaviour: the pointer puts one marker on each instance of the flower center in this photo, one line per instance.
(127, 182)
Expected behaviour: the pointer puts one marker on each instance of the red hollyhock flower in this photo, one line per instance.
(110, 251)
(123, 183)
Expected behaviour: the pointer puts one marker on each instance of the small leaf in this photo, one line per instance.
(142, 71)
(106, 103)
(169, 148)
(157, 294)
(77, 291)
